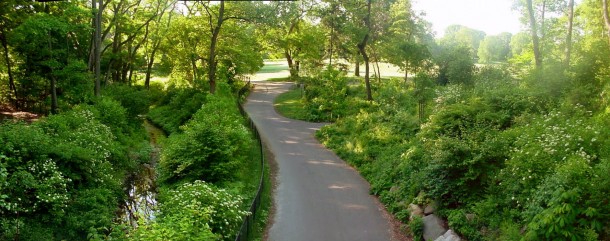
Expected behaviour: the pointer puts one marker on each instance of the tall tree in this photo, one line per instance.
(362, 49)
(462, 35)
(12, 14)
(494, 48)
(159, 33)
(287, 31)
(534, 33)
(217, 15)
(569, 35)
(606, 17)
(98, 46)
(405, 44)
(215, 29)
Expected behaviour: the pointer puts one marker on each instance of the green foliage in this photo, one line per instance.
(59, 177)
(135, 99)
(455, 64)
(494, 48)
(212, 146)
(466, 150)
(194, 211)
(43, 44)
(416, 226)
(463, 36)
(329, 96)
(506, 159)
(465, 224)
(176, 108)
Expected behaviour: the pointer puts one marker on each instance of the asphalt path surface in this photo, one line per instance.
(318, 196)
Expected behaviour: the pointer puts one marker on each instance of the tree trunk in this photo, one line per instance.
(194, 67)
(98, 48)
(290, 63)
(534, 32)
(53, 95)
(367, 80)
(378, 70)
(332, 33)
(53, 80)
(130, 69)
(149, 65)
(362, 49)
(542, 28)
(11, 80)
(357, 67)
(606, 17)
(406, 72)
(212, 58)
(91, 61)
(569, 37)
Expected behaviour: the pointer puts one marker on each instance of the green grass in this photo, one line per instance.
(290, 105)
(272, 67)
(280, 79)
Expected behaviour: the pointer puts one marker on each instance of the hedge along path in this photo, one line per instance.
(318, 196)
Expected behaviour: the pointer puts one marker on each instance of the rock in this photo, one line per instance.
(433, 227)
(449, 236)
(415, 210)
(430, 209)
(394, 189)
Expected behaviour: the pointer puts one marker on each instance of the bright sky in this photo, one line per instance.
(491, 16)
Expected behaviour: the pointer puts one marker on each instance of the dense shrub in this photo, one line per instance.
(59, 177)
(176, 108)
(195, 211)
(505, 160)
(135, 99)
(462, 150)
(212, 146)
(328, 96)
(416, 226)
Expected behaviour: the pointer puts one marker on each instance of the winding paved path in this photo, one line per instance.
(318, 196)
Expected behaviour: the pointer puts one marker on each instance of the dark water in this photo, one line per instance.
(142, 189)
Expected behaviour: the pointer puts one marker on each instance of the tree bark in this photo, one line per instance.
(288, 54)
(332, 33)
(291, 65)
(53, 80)
(53, 95)
(98, 48)
(378, 70)
(194, 67)
(406, 72)
(149, 65)
(11, 80)
(212, 58)
(569, 37)
(91, 61)
(357, 67)
(362, 49)
(606, 17)
(534, 32)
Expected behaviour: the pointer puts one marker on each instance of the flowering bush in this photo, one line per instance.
(549, 171)
(195, 211)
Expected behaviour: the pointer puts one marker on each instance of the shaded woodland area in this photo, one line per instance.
(507, 134)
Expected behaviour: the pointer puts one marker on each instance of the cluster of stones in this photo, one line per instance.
(434, 227)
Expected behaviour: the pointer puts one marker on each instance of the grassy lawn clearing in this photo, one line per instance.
(290, 105)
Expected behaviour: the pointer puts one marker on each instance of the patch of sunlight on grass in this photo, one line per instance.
(290, 105)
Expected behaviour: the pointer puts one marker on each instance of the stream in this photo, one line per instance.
(142, 189)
